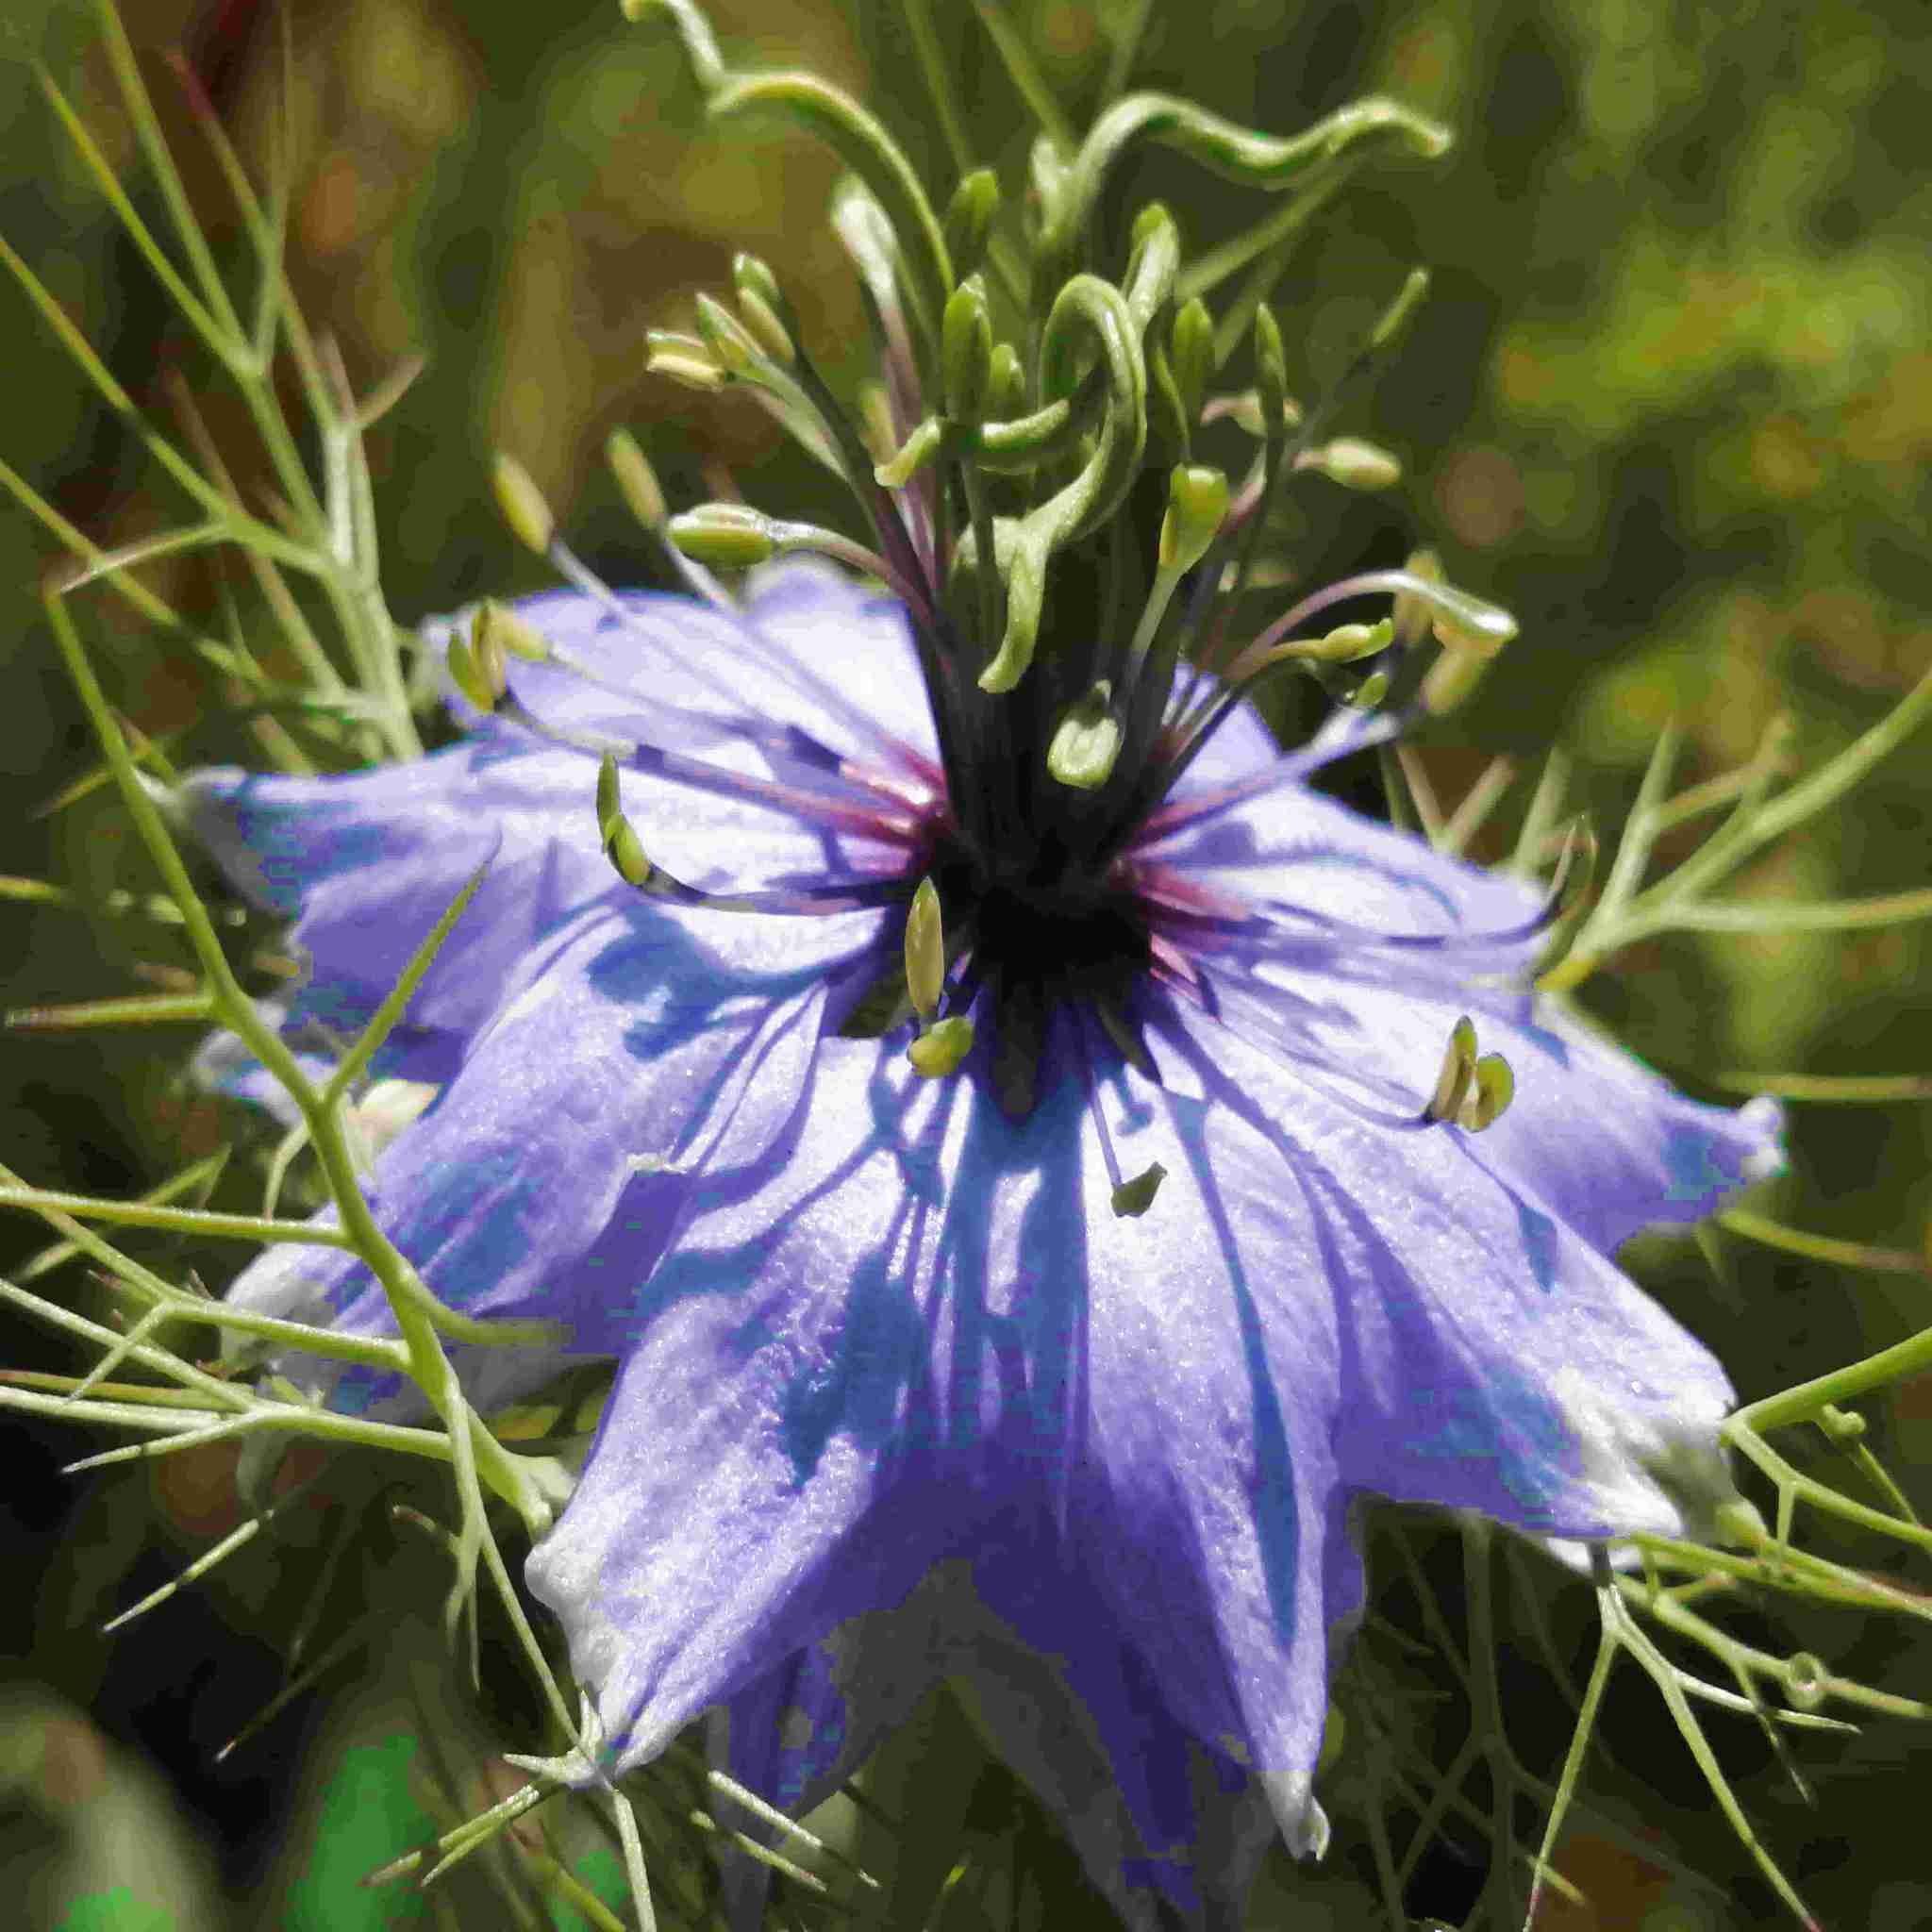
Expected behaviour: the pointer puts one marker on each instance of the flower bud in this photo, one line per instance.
(969, 219)
(521, 504)
(637, 481)
(1196, 503)
(1190, 354)
(1270, 372)
(725, 535)
(1355, 463)
(762, 304)
(966, 351)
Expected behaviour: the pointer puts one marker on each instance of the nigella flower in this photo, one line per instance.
(1058, 1351)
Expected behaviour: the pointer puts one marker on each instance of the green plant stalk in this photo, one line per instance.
(477, 1456)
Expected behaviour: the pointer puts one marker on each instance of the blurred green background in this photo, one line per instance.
(1670, 401)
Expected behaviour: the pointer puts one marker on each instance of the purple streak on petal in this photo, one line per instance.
(809, 650)
(366, 863)
(1298, 848)
(1223, 776)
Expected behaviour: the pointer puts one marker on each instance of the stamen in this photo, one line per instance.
(1472, 1091)
(790, 737)
(1131, 1197)
(833, 813)
(940, 1048)
(635, 866)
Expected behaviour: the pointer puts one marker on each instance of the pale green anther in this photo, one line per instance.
(763, 305)
(966, 351)
(925, 951)
(1088, 741)
(1452, 679)
(621, 846)
(725, 535)
(969, 219)
(1190, 354)
(1370, 692)
(1459, 1073)
(1355, 463)
(763, 324)
(521, 504)
(1491, 1090)
(928, 439)
(637, 481)
(1396, 317)
(1133, 1198)
(1006, 389)
(1271, 374)
(469, 676)
(684, 359)
(731, 344)
(1244, 409)
(941, 1047)
(1346, 642)
(1411, 610)
(1196, 503)
(499, 630)
(876, 428)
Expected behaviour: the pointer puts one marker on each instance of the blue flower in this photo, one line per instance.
(913, 1377)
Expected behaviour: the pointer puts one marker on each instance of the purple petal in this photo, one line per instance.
(886, 1350)
(641, 1063)
(1469, 1348)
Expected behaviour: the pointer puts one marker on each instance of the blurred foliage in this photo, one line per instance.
(1670, 401)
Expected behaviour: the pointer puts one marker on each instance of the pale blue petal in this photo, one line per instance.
(635, 1068)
